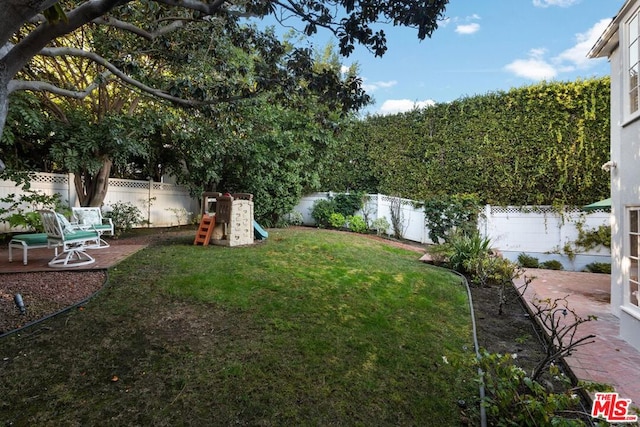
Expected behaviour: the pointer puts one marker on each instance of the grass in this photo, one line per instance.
(307, 328)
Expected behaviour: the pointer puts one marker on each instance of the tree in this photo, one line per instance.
(28, 29)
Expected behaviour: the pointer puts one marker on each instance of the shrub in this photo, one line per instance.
(348, 203)
(337, 220)
(124, 215)
(381, 225)
(447, 213)
(509, 387)
(22, 211)
(598, 267)
(528, 261)
(321, 212)
(293, 218)
(357, 224)
(465, 247)
(552, 265)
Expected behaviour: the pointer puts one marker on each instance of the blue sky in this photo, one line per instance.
(484, 46)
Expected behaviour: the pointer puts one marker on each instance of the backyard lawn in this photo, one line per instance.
(310, 327)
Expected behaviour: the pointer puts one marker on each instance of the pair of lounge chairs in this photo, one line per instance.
(72, 238)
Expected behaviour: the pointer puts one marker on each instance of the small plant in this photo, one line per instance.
(321, 212)
(515, 399)
(598, 267)
(22, 211)
(466, 247)
(124, 215)
(337, 220)
(552, 264)
(381, 225)
(293, 218)
(528, 261)
(181, 214)
(357, 224)
(397, 217)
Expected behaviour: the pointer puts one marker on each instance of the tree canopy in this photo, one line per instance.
(30, 29)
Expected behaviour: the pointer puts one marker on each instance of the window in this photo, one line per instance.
(634, 257)
(633, 65)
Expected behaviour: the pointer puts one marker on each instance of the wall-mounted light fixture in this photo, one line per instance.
(609, 165)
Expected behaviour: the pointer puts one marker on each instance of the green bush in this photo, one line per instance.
(22, 212)
(528, 261)
(293, 218)
(348, 203)
(598, 267)
(381, 225)
(552, 265)
(357, 224)
(337, 220)
(124, 215)
(444, 214)
(465, 247)
(514, 399)
(321, 212)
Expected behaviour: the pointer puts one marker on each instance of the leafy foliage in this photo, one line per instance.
(23, 211)
(124, 215)
(445, 214)
(540, 144)
(357, 224)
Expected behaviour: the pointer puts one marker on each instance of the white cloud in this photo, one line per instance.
(561, 3)
(535, 67)
(374, 86)
(393, 106)
(474, 27)
(344, 69)
(577, 55)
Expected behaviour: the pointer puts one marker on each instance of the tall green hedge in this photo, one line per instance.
(540, 144)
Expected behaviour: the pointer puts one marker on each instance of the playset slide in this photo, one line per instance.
(258, 232)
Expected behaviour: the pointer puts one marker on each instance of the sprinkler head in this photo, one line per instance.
(19, 303)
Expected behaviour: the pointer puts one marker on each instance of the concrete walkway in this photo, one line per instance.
(609, 359)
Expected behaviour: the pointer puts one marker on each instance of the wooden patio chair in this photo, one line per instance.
(72, 241)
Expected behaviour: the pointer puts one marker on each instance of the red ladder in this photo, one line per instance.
(203, 235)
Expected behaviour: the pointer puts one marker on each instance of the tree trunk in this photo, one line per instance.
(92, 188)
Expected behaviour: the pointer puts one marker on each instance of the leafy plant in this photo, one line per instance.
(515, 399)
(552, 264)
(337, 220)
(294, 218)
(381, 225)
(466, 247)
(599, 267)
(124, 215)
(397, 217)
(357, 224)
(447, 213)
(588, 239)
(528, 261)
(321, 212)
(21, 211)
(348, 203)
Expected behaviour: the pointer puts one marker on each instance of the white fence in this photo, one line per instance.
(159, 202)
(538, 231)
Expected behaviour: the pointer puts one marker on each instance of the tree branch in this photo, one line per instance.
(112, 70)
(126, 26)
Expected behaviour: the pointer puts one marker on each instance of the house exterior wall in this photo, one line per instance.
(625, 176)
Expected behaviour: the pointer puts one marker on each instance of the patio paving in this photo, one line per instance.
(38, 259)
(609, 359)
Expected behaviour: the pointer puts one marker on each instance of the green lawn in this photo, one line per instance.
(308, 328)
